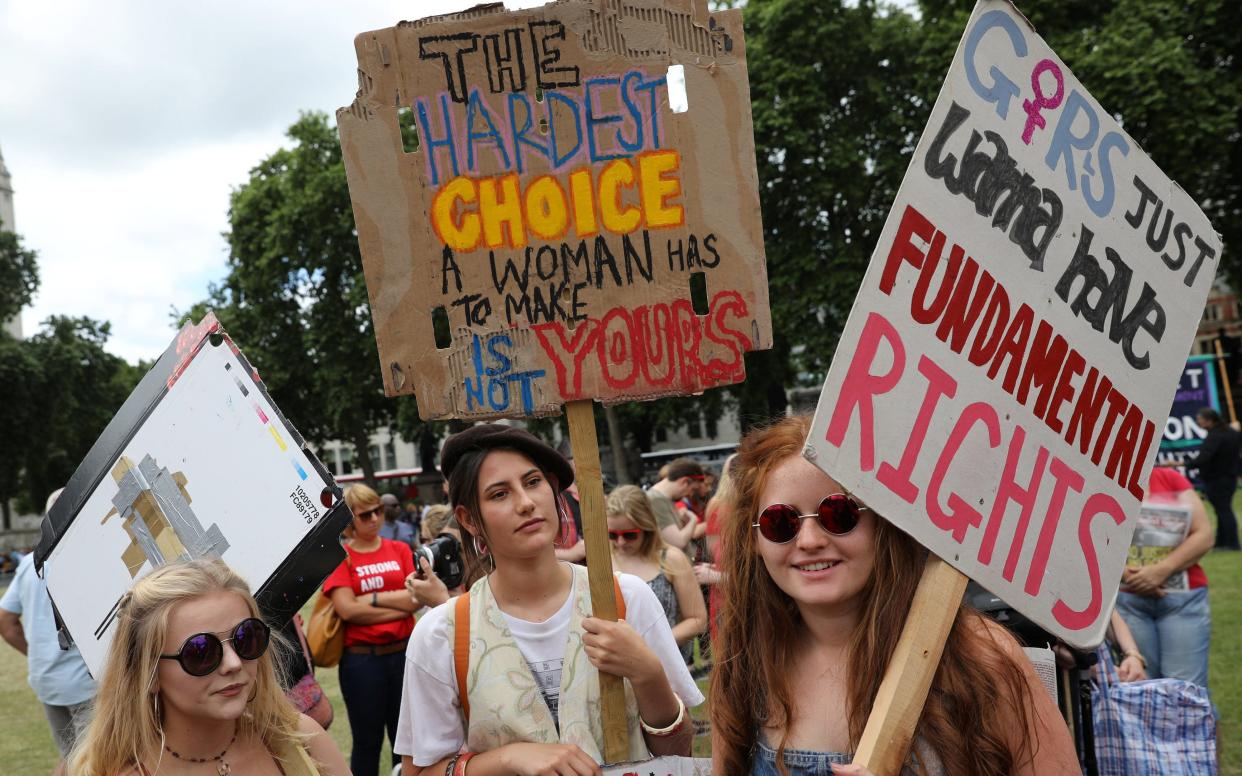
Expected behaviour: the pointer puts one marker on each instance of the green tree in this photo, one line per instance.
(19, 275)
(59, 389)
(20, 377)
(74, 388)
(19, 372)
(295, 299)
(841, 95)
(835, 122)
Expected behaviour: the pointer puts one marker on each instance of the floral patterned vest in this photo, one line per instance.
(505, 703)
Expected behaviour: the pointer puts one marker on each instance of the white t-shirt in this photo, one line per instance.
(543, 646)
(430, 691)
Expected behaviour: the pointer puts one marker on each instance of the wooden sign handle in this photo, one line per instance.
(1224, 380)
(581, 415)
(899, 703)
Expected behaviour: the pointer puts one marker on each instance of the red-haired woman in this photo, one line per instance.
(824, 584)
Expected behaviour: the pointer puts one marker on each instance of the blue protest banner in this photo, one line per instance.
(1196, 390)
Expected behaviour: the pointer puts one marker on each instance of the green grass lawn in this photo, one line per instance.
(1224, 571)
(26, 746)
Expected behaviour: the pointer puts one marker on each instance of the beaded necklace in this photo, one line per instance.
(223, 768)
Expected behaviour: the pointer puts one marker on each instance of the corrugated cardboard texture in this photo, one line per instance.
(555, 208)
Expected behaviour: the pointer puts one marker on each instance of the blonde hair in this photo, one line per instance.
(725, 483)
(357, 495)
(437, 519)
(125, 730)
(630, 501)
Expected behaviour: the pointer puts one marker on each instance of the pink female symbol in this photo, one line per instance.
(1033, 107)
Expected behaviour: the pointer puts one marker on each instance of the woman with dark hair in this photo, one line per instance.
(506, 676)
(824, 585)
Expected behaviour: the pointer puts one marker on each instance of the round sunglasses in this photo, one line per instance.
(202, 653)
(837, 514)
(630, 534)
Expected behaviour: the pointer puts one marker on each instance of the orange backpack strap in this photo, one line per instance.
(461, 650)
(616, 589)
(461, 641)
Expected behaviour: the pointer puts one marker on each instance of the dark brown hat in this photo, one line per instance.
(489, 436)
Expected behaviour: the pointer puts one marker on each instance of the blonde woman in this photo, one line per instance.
(368, 592)
(638, 549)
(189, 687)
(438, 520)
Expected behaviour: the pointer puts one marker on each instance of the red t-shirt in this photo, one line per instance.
(1165, 481)
(379, 571)
(713, 595)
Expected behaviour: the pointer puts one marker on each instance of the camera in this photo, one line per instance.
(443, 554)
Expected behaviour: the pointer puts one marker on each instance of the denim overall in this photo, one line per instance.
(799, 762)
(803, 762)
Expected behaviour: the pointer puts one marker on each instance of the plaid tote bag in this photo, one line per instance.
(1156, 726)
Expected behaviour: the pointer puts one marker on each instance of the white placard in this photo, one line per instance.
(224, 470)
(1000, 385)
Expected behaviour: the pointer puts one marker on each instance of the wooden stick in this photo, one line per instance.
(581, 415)
(1224, 380)
(1069, 700)
(899, 702)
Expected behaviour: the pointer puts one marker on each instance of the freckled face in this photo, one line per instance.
(517, 505)
(816, 568)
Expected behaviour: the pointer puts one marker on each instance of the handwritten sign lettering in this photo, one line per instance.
(1003, 381)
(554, 209)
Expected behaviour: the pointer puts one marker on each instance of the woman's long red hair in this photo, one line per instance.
(977, 706)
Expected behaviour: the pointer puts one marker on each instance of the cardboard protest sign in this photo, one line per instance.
(1001, 383)
(575, 237)
(1196, 389)
(664, 766)
(198, 462)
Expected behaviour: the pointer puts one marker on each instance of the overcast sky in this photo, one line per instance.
(126, 124)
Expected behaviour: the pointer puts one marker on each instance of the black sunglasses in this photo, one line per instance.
(202, 653)
(837, 514)
(370, 513)
(630, 535)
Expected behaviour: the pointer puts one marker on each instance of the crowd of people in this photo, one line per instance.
(768, 571)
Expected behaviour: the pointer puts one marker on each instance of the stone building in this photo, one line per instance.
(8, 223)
